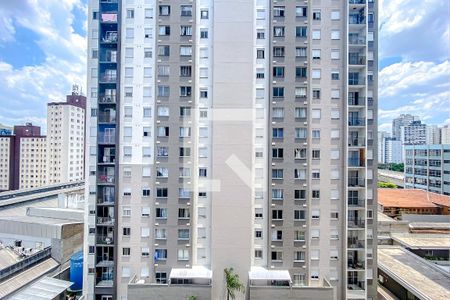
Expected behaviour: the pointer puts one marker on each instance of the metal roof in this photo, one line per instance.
(46, 288)
(196, 272)
(259, 273)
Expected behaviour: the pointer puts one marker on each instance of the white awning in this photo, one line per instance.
(259, 273)
(196, 272)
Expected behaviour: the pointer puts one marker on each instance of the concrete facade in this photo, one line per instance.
(243, 139)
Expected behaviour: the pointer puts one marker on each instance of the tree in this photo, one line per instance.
(192, 298)
(233, 283)
(387, 185)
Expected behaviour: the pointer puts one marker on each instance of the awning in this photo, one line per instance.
(46, 288)
(259, 273)
(196, 272)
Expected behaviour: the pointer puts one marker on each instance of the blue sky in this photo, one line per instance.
(42, 53)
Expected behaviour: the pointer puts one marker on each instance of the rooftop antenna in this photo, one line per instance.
(75, 89)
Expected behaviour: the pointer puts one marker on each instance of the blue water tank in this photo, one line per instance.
(76, 271)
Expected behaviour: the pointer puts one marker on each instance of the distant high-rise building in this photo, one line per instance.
(393, 153)
(235, 133)
(433, 135)
(445, 134)
(5, 130)
(65, 139)
(401, 121)
(382, 135)
(414, 134)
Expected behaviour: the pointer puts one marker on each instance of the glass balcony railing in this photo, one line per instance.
(106, 199)
(105, 239)
(355, 202)
(356, 81)
(356, 60)
(356, 40)
(356, 19)
(356, 122)
(354, 101)
(105, 99)
(105, 178)
(107, 138)
(356, 142)
(105, 220)
(356, 182)
(107, 117)
(356, 162)
(356, 223)
(357, 1)
(110, 37)
(353, 242)
(108, 78)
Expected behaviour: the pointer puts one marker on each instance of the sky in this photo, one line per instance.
(43, 53)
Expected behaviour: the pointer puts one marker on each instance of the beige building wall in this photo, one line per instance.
(33, 162)
(5, 162)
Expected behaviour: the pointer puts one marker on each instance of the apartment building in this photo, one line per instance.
(401, 121)
(445, 134)
(65, 139)
(427, 167)
(231, 134)
(6, 159)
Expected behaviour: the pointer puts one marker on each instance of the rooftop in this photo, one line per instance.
(422, 278)
(411, 198)
(422, 241)
(46, 288)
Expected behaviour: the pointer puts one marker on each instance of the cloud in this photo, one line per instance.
(26, 90)
(414, 30)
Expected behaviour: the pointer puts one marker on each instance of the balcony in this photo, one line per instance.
(355, 39)
(109, 17)
(106, 200)
(356, 122)
(110, 37)
(108, 117)
(355, 265)
(109, 57)
(356, 142)
(107, 99)
(104, 263)
(356, 1)
(355, 202)
(357, 19)
(106, 279)
(355, 243)
(356, 59)
(356, 223)
(356, 182)
(107, 138)
(356, 101)
(356, 81)
(105, 221)
(356, 162)
(105, 239)
(105, 178)
(108, 78)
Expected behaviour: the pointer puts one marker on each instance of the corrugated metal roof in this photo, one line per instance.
(46, 288)
(17, 282)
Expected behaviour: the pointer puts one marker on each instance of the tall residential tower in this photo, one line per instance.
(231, 133)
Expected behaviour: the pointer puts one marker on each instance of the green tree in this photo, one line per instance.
(387, 185)
(233, 283)
(192, 298)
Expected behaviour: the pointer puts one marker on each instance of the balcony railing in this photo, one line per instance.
(356, 182)
(357, 40)
(356, 60)
(108, 78)
(356, 223)
(25, 263)
(357, 122)
(105, 220)
(110, 37)
(356, 162)
(356, 101)
(356, 81)
(105, 178)
(356, 19)
(354, 242)
(106, 199)
(107, 117)
(109, 17)
(105, 240)
(105, 99)
(356, 142)
(106, 138)
(357, 265)
(354, 202)
(357, 1)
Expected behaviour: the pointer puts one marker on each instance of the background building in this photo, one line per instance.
(445, 134)
(401, 121)
(65, 139)
(428, 167)
(433, 135)
(414, 134)
(216, 142)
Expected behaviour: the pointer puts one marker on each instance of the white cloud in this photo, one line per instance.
(25, 91)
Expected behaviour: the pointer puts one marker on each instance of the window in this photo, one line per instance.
(164, 30)
(277, 255)
(163, 111)
(316, 15)
(126, 251)
(300, 52)
(300, 194)
(185, 50)
(278, 92)
(315, 154)
(203, 33)
(161, 192)
(130, 13)
(278, 11)
(260, 14)
(126, 231)
(184, 213)
(300, 92)
(183, 254)
(300, 31)
(299, 256)
(258, 213)
(299, 215)
(202, 172)
(277, 235)
(299, 235)
(258, 254)
(335, 35)
(161, 277)
(163, 131)
(185, 111)
(129, 33)
(278, 112)
(183, 234)
(300, 11)
(335, 94)
(184, 152)
(260, 34)
(185, 30)
(146, 151)
(278, 31)
(300, 174)
(164, 10)
(277, 173)
(146, 192)
(301, 133)
(148, 33)
(145, 211)
(277, 214)
(185, 71)
(315, 233)
(315, 113)
(335, 114)
(186, 10)
(277, 153)
(316, 94)
(316, 53)
(204, 14)
(160, 254)
(300, 72)
(316, 73)
(335, 54)
(163, 70)
(316, 35)
(315, 214)
(334, 75)
(315, 194)
(260, 53)
(277, 194)
(185, 132)
(278, 51)
(334, 215)
(185, 91)
(278, 72)
(148, 13)
(161, 213)
(335, 15)
(163, 50)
